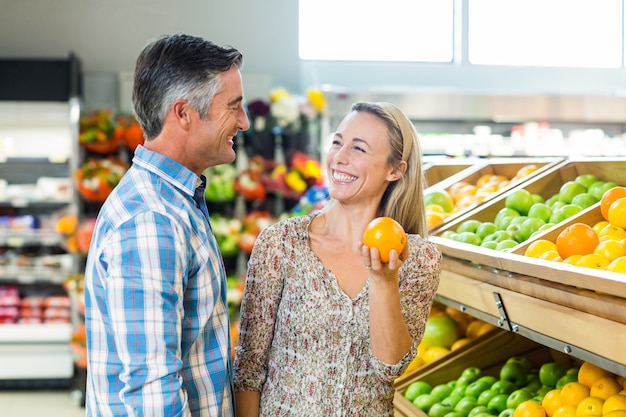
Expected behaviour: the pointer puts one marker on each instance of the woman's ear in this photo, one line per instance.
(397, 172)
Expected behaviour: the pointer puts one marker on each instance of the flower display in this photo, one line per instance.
(97, 177)
(98, 132)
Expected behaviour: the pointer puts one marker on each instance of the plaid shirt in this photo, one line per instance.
(156, 312)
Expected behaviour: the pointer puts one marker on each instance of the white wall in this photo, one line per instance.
(108, 34)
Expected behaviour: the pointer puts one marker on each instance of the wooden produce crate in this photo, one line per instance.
(442, 172)
(546, 184)
(489, 354)
(507, 167)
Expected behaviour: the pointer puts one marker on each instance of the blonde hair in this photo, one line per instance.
(403, 199)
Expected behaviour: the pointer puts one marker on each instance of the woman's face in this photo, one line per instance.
(357, 162)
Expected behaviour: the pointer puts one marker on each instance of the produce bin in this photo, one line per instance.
(507, 167)
(439, 173)
(489, 355)
(546, 184)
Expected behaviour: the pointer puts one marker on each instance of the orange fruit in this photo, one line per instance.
(434, 219)
(460, 343)
(621, 380)
(617, 213)
(611, 232)
(615, 413)
(590, 406)
(472, 328)
(614, 402)
(617, 265)
(588, 373)
(610, 249)
(572, 259)
(385, 234)
(434, 353)
(605, 387)
(529, 409)
(551, 255)
(552, 401)
(599, 226)
(576, 239)
(525, 170)
(485, 328)
(574, 392)
(593, 260)
(565, 411)
(608, 198)
(484, 179)
(539, 247)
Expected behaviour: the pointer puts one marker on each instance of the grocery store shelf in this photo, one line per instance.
(564, 319)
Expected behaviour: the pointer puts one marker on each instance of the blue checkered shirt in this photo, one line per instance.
(156, 312)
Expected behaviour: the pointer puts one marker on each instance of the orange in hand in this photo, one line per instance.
(385, 234)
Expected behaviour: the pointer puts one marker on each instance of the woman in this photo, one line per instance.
(326, 327)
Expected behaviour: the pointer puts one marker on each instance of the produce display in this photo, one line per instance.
(599, 242)
(447, 329)
(464, 194)
(524, 214)
(521, 388)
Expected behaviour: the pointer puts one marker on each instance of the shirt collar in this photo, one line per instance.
(172, 171)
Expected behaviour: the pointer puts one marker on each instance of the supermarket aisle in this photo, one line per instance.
(39, 403)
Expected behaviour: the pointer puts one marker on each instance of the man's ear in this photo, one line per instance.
(180, 109)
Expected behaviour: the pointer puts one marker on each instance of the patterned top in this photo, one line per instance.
(304, 344)
(156, 314)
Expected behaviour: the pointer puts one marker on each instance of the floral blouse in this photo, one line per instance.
(304, 344)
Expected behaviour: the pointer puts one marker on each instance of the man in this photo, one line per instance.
(156, 312)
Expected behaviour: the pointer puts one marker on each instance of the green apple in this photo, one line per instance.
(465, 405)
(497, 404)
(425, 401)
(519, 200)
(486, 396)
(458, 390)
(469, 226)
(454, 414)
(565, 212)
(479, 409)
(586, 180)
(595, 189)
(441, 391)
(530, 226)
(489, 244)
(538, 198)
(485, 229)
(504, 212)
(490, 379)
(515, 372)
(604, 188)
(542, 391)
(551, 372)
(503, 386)
(439, 410)
(540, 211)
(417, 388)
(449, 234)
(499, 236)
(468, 237)
(584, 200)
(476, 388)
(569, 190)
(566, 379)
(441, 198)
(507, 412)
(451, 400)
(550, 201)
(517, 397)
(506, 245)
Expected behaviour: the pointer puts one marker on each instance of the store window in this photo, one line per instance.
(370, 30)
(553, 33)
